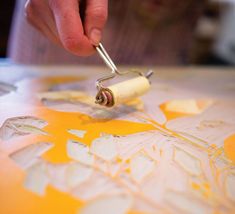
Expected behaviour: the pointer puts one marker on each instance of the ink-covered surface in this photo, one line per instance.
(170, 151)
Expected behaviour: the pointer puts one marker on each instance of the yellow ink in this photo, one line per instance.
(229, 148)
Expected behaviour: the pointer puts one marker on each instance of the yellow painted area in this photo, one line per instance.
(195, 186)
(181, 108)
(170, 115)
(229, 148)
(15, 199)
(204, 188)
(54, 201)
(12, 177)
(60, 122)
(207, 190)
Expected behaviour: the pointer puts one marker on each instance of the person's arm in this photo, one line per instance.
(61, 22)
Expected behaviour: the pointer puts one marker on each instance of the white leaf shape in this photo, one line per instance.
(213, 125)
(67, 95)
(18, 126)
(188, 162)
(129, 145)
(95, 186)
(141, 166)
(29, 155)
(67, 176)
(37, 178)
(105, 147)
(78, 133)
(190, 106)
(79, 152)
(57, 176)
(230, 186)
(186, 204)
(116, 204)
(76, 174)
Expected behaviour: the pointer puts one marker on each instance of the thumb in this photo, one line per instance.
(95, 18)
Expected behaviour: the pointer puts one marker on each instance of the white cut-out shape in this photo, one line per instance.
(151, 107)
(144, 207)
(188, 162)
(57, 176)
(65, 177)
(28, 120)
(98, 184)
(190, 106)
(129, 184)
(37, 178)
(230, 186)
(101, 164)
(29, 155)
(141, 166)
(155, 185)
(193, 139)
(76, 174)
(114, 167)
(132, 144)
(110, 204)
(18, 126)
(83, 102)
(79, 152)
(105, 147)
(186, 203)
(29, 129)
(65, 95)
(156, 114)
(78, 133)
(152, 151)
(213, 126)
(205, 124)
(180, 181)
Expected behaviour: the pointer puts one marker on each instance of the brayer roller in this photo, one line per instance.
(123, 91)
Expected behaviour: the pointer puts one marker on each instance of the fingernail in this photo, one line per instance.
(95, 36)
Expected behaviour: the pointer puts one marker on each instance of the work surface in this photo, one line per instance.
(171, 151)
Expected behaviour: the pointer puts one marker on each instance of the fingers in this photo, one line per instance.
(46, 25)
(95, 18)
(45, 30)
(47, 17)
(70, 28)
(60, 21)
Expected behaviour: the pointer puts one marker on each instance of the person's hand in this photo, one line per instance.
(61, 22)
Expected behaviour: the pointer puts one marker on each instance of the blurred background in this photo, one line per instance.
(202, 33)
